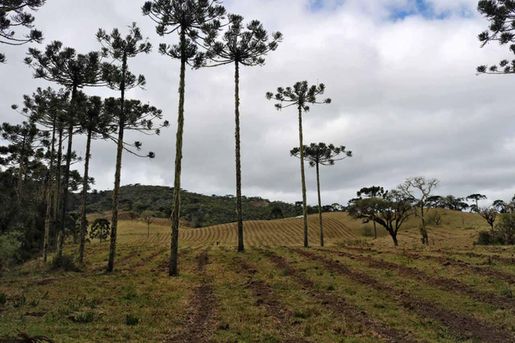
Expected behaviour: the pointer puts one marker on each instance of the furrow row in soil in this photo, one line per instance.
(462, 326)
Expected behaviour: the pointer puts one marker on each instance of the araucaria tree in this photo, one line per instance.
(242, 46)
(15, 14)
(325, 155)
(48, 108)
(301, 96)
(420, 190)
(501, 14)
(475, 198)
(193, 21)
(118, 77)
(94, 123)
(389, 209)
(73, 71)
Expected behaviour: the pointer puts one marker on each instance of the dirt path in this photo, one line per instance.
(201, 322)
(440, 282)
(486, 256)
(462, 326)
(445, 261)
(266, 298)
(339, 306)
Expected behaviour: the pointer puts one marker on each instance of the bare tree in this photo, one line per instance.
(420, 190)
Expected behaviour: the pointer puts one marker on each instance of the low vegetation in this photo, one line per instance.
(357, 287)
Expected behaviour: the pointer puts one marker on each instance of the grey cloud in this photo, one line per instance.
(405, 96)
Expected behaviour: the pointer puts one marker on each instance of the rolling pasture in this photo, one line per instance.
(356, 289)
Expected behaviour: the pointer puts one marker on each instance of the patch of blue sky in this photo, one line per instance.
(422, 8)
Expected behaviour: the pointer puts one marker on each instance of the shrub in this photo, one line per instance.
(485, 238)
(131, 320)
(65, 263)
(434, 218)
(10, 245)
(3, 298)
(82, 317)
(505, 229)
(367, 231)
(504, 233)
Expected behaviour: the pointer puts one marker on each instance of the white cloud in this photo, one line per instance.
(405, 96)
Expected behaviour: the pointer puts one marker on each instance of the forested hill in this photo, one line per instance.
(197, 210)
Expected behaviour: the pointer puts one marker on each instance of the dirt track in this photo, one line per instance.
(340, 306)
(440, 282)
(462, 326)
(201, 321)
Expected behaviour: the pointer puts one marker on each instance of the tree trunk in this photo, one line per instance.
(423, 230)
(21, 170)
(118, 171)
(320, 206)
(375, 229)
(176, 206)
(148, 230)
(303, 180)
(239, 211)
(58, 190)
(394, 238)
(85, 183)
(48, 190)
(66, 183)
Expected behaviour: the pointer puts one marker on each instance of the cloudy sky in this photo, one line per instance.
(401, 73)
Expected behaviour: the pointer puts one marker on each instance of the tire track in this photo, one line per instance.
(339, 306)
(266, 298)
(462, 326)
(201, 322)
(440, 282)
(446, 261)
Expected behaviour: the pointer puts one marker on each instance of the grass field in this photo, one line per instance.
(355, 290)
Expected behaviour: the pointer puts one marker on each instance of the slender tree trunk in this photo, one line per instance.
(239, 210)
(375, 229)
(320, 206)
(176, 206)
(423, 230)
(58, 190)
(85, 183)
(148, 230)
(21, 170)
(48, 187)
(303, 180)
(66, 181)
(118, 172)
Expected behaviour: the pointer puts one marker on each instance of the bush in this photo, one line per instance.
(434, 218)
(65, 263)
(505, 229)
(82, 317)
(131, 320)
(367, 231)
(504, 233)
(485, 238)
(10, 245)
(3, 298)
